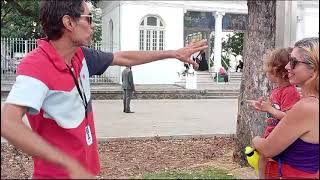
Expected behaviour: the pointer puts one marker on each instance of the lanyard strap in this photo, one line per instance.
(279, 168)
(82, 95)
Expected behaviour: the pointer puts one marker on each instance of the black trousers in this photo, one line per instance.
(127, 95)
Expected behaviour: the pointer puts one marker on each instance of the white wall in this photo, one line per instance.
(126, 30)
(172, 12)
(310, 24)
(308, 19)
(111, 10)
(114, 15)
(160, 72)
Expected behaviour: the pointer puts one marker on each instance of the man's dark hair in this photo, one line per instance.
(52, 11)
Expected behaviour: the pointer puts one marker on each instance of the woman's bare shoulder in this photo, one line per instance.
(306, 105)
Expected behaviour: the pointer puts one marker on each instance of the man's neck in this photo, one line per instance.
(65, 49)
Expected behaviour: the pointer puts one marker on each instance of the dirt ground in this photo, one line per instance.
(122, 159)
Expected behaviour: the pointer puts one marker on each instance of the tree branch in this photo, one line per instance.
(21, 10)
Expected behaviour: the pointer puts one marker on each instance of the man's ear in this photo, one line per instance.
(68, 22)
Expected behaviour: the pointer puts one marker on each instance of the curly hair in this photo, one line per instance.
(52, 11)
(275, 62)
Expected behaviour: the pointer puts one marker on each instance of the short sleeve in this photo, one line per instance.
(97, 61)
(29, 92)
(289, 97)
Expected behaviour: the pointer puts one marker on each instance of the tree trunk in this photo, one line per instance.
(259, 37)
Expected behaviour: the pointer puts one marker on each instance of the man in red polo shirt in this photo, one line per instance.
(52, 88)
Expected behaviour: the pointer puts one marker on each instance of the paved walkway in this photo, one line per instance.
(177, 117)
(152, 87)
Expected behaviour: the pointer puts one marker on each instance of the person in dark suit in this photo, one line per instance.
(203, 63)
(128, 89)
(239, 66)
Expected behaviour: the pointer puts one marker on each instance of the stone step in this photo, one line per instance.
(236, 73)
(172, 94)
(214, 83)
(213, 87)
(199, 79)
(235, 77)
(220, 97)
(161, 94)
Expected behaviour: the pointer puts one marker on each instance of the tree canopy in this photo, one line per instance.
(20, 19)
(233, 44)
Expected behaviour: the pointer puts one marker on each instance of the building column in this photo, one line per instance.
(300, 24)
(286, 23)
(217, 40)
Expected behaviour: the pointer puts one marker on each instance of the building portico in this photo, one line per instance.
(122, 27)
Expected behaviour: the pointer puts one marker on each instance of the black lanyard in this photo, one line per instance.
(81, 93)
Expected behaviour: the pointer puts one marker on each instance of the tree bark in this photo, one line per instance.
(259, 37)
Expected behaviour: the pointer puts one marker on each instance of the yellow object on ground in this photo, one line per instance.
(253, 158)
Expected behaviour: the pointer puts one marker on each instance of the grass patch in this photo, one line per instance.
(193, 174)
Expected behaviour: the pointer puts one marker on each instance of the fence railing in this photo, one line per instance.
(14, 49)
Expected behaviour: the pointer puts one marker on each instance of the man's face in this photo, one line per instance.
(83, 32)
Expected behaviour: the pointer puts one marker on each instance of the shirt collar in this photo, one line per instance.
(52, 53)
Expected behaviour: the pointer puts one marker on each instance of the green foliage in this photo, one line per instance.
(195, 174)
(20, 19)
(94, 2)
(225, 62)
(212, 44)
(233, 44)
(97, 19)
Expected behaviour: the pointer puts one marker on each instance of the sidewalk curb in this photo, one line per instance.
(174, 137)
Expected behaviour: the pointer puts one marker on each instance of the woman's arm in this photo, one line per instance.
(295, 124)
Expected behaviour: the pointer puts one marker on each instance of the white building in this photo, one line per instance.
(159, 25)
(307, 19)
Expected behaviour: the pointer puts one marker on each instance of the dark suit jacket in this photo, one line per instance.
(127, 79)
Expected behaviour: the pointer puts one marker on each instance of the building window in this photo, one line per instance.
(151, 33)
(141, 40)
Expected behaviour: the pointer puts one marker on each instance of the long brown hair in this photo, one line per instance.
(310, 49)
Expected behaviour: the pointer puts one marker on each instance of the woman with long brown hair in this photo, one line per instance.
(294, 142)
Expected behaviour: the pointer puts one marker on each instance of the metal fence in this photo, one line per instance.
(14, 49)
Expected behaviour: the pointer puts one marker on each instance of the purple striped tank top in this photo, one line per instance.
(301, 155)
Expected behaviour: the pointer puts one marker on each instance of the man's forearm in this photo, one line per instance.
(130, 58)
(21, 136)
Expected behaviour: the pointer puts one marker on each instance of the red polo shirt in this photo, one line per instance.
(56, 111)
